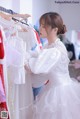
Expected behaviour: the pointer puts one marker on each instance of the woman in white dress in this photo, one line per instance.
(60, 97)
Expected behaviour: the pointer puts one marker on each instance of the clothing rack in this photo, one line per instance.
(7, 10)
(20, 21)
(12, 12)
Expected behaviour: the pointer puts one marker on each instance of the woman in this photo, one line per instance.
(60, 97)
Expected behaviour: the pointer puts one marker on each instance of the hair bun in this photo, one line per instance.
(63, 29)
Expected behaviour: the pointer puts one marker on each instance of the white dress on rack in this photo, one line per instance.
(60, 98)
(20, 95)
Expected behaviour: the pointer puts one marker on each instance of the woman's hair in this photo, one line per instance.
(54, 20)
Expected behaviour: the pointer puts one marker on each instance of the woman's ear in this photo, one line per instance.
(56, 30)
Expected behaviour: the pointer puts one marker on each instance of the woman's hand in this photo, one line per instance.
(27, 68)
(75, 64)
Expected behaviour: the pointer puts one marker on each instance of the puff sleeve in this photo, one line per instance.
(45, 61)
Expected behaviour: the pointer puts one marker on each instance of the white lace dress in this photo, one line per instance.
(60, 98)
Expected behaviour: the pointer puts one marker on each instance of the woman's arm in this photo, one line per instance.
(44, 62)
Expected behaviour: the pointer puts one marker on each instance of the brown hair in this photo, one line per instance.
(54, 20)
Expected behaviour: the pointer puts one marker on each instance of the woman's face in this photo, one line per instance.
(42, 30)
(47, 32)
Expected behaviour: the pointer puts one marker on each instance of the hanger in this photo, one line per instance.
(13, 15)
(24, 16)
(5, 16)
(16, 17)
(21, 21)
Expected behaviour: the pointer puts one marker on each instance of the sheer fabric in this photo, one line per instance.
(60, 98)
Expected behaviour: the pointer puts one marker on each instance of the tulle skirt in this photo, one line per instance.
(58, 102)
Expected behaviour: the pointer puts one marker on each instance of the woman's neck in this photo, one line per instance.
(51, 40)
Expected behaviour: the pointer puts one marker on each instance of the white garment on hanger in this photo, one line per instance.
(15, 55)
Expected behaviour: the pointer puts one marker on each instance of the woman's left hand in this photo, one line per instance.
(27, 68)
